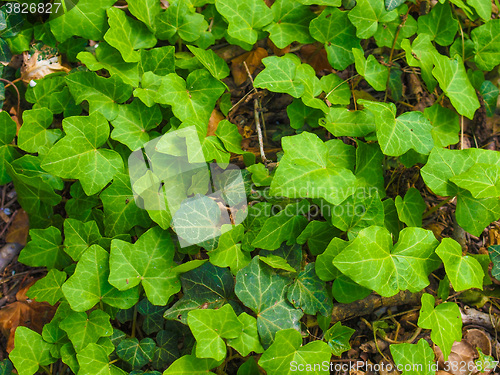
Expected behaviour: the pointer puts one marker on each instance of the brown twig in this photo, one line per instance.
(18, 108)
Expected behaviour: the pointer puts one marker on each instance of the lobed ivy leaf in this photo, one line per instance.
(337, 337)
(411, 208)
(167, 350)
(79, 236)
(343, 122)
(318, 235)
(228, 133)
(287, 352)
(145, 11)
(158, 60)
(324, 267)
(292, 254)
(83, 329)
(397, 29)
(474, 214)
(439, 24)
(367, 14)
(48, 288)
(34, 136)
(135, 353)
(486, 45)
(89, 284)
(211, 61)
(373, 262)
(464, 272)
(369, 169)
(375, 73)
(191, 365)
(482, 180)
(94, 360)
(419, 357)
(421, 54)
(277, 262)
(337, 90)
(78, 155)
(262, 290)
(153, 316)
(312, 87)
(309, 293)
(393, 4)
(445, 125)
(8, 152)
(444, 320)
(30, 351)
(228, 253)
(245, 19)
(490, 93)
(149, 261)
(280, 75)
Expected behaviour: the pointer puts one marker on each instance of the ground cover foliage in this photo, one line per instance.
(369, 111)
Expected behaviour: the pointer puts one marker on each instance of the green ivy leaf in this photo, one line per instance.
(167, 350)
(212, 62)
(287, 355)
(482, 180)
(207, 285)
(367, 14)
(44, 249)
(109, 58)
(79, 236)
(49, 288)
(318, 235)
(300, 114)
(30, 351)
(337, 90)
(145, 11)
(325, 269)
(411, 208)
(343, 122)
(490, 93)
(135, 353)
(309, 293)
(338, 337)
(494, 252)
(8, 152)
(93, 360)
(307, 163)
(421, 54)
(210, 326)
(439, 24)
(229, 135)
(149, 262)
(245, 19)
(445, 125)
(403, 266)
(369, 167)
(180, 19)
(453, 80)
(51, 92)
(464, 272)
(102, 94)
(228, 252)
(388, 31)
(278, 262)
(333, 28)
(87, 18)
(419, 357)
(474, 214)
(312, 87)
(83, 330)
(77, 155)
(486, 45)
(191, 365)
(262, 290)
(444, 320)
(158, 60)
(291, 23)
(89, 284)
(153, 316)
(411, 130)
(193, 99)
(375, 73)
(34, 135)
(280, 75)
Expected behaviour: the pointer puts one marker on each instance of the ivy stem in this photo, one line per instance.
(437, 207)
(18, 108)
(46, 369)
(134, 322)
(340, 84)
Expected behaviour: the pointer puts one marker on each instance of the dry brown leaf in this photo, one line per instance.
(478, 339)
(34, 68)
(214, 120)
(18, 230)
(462, 353)
(253, 59)
(437, 229)
(24, 312)
(277, 51)
(316, 57)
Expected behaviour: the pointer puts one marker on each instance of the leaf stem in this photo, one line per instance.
(437, 207)
(134, 322)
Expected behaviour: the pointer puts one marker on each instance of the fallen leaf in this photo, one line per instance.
(316, 57)
(461, 353)
(277, 51)
(214, 120)
(40, 64)
(18, 230)
(478, 339)
(253, 59)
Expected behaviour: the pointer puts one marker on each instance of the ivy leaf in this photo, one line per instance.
(439, 24)
(127, 35)
(369, 167)
(262, 290)
(167, 350)
(338, 337)
(109, 58)
(300, 114)
(375, 73)
(367, 14)
(79, 236)
(87, 18)
(191, 365)
(229, 135)
(193, 99)
(44, 249)
(228, 252)
(486, 45)
(120, 211)
(324, 267)
(210, 326)
(411, 208)
(94, 360)
(30, 351)
(495, 258)
(373, 262)
(245, 19)
(49, 288)
(312, 87)
(153, 316)
(102, 94)
(445, 125)
(482, 180)
(78, 156)
(158, 60)
(248, 339)
(34, 135)
(337, 90)
(453, 80)
(306, 163)
(145, 11)
(411, 130)
(333, 28)
(8, 152)
(419, 357)
(331, 3)
(280, 75)
(490, 93)
(148, 92)
(207, 285)
(464, 272)
(421, 54)
(212, 62)
(135, 353)
(318, 235)
(89, 284)
(388, 31)
(286, 354)
(278, 262)
(392, 4)
(83, 330)
(474, 214)
(343, 122)
(309, 293)
(149, 261)
(291, 23)
(444, 320)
